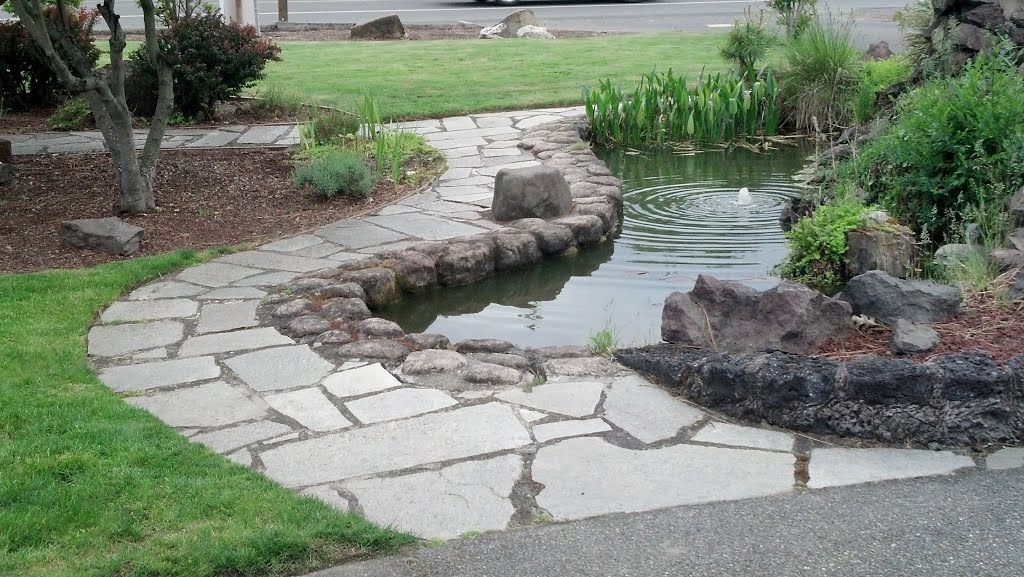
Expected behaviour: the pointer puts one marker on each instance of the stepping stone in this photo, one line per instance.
(1009, 458)
(647, 411)
(399, 404)
(134, 311)
(227, 440)
(310, 408)
(458, 123)
(115, 340)
(160, 374)
(356, 234)
(589, 477)
(467, 134)
(233, 293)
(263, 134)
(425, 226)
(727, 434)
(576, 399)
(165, 290)
(268, 279)
(444, 504)
(216, 274)
(493, 170)
(397, 445)
(233, 341)
(160, 353)
(329, 496)
(293, 244)
(837, 467)
(560, 429)
(536, 121)
(360, 381)
(280, 368)
(212, 405)
(530, 416)
(276, 261)
(218, 317)
(458, 142)
(242, 457)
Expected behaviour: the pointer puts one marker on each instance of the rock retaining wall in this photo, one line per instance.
(965, 399)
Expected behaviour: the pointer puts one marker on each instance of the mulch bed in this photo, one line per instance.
(205, 198)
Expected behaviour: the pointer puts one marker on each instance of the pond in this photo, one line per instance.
(682, 216)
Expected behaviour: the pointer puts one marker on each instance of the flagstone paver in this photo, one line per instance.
(575, 399)
(310, 408)
(399, 404)
(1008, 458)
(227, 440)
(216, 274)
(360, 381)
(232, 342)
(645, 411)
(211, 405)
(836, 467)
(216, 317)
(728, 434)
(160, 374)
(146, 310)
(113, 340)
(280, 368)
(168, 289)
(562, 429)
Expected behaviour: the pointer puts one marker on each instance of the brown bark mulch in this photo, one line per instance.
(205, 198)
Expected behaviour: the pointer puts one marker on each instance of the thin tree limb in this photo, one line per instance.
(32, 18)
(165, 91)
(117, 45)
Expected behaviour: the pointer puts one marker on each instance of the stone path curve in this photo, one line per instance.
(222, 136)
(405, 445)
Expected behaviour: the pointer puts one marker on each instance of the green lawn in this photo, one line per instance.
(94, 487)
(430, 79)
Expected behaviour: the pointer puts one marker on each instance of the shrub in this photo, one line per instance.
(817, 245)
(795, 16)
(213, 60)
(821, 75)
(334, 171)
(72, 115)
(26, 80)
(748, 43)
(875, 76)
(330, 126)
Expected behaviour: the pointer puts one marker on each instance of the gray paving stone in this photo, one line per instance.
(211, 405)
(485, 181)
(492, 170)
(158, 353)
(344, 256)
(165, 290)
(578, 479)
(155, 310)
(493, 121)
(232, 293)
(728, 434)
(647, 411)
(232, 341)
(276, 261)
(536, 121)
(280, 368)
(242, 457)
(268, 279)
(575, 399)
(360, 380)
(356, 234)
(1009, 458)
(115, 340)
(387, 567)
(502, 152)
(466, 162)
(425, 226)
(399, 404)
(836, 467)
(466, 134)
(481, 200)
(530, 416)
(216, 274)
(456, 173)
(323, 250)
(217, 317)
(263, 134)
(458, 123)
(561, 429)
(397, 445)
(444, 504)
(395, 209)
(213, 139)
(462, 151)
(328, 495)
(310, 408)
(160, 374)
(293, 244)
(461, 190)
(457, 142)
(227, 440)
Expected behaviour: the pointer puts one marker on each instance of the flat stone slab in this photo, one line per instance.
(115, 340)
(212, 405)
(233, 293)
(399, 404)
(310, 408)
(728, 434)
(160, 374)
(276, 261)
(425, 226)
(165, 290)
(293, 244)
(397, 445)
(531, 416)
(837, 467)
(647, 411)
(218, 317)
(1009, 458)
(330, 496)
(263, 134)
(356, 234)
(227, 440)
(444, 504)
(233, 341)
(360, 381)
(588, 477)
(574, 399)
(280, 368)
(216, 274)
(561, 429)
(149, 310)
(267, 279)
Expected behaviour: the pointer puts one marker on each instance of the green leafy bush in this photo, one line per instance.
(335, 124)
(332, 171)
(795, 16)
(73, 115)
(876, 76)
(748, 43)
(817, 245)
(26, 80)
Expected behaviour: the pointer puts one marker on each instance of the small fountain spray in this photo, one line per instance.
(744, 197)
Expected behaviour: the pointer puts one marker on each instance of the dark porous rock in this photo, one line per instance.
(414, 271)
(336, 337)
(612, 194)
(988, 16)
(107, 235)
(882, 381)
(973, 375)
(1015, 240)
(586, 229)
(1016, 288)
(781, 381)
(551, 239)
(717, 380)
(428, 341)
(308, 325)
(344, 309)
(1016, 368)
(909, 337)
(276, 298)
(293, 308)
(379, 284)
(1005, 259)
(484, 346)
(530, 192)
(607, 213)
(490, 374)
(1015, 206)
(433, 361)
(888, 299)
(972, 37)
(878, 51)
(793, 210)
(890, 250)
(515, 250)
(6, 151)
(374, 328)
(374, 349)
(517, 362)
(733, 317)
(466, 263)
(385, 28)
(6, 172)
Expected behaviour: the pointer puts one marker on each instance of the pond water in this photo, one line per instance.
(682, 216)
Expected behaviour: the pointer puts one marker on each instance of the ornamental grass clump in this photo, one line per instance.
(334, 172)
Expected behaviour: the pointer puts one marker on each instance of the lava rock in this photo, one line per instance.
(606, 212)
(881, 381)
(335, 337)
(107, 235)
(909, 337)
(428, 341)
(887, 299)
(973, 375)
(492, 375)
(386, 28)
(956, 254)
(1015, 206)
(1005, 259)
(530, 192)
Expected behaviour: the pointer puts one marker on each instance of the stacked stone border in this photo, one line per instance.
(963, 399)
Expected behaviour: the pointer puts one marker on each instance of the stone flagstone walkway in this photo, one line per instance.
(432, 458)
(222, 136)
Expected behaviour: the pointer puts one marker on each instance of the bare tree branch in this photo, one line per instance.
(34, 20)
(165, 89)
(117, 45)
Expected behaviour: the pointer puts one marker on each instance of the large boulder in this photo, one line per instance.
(531, 192)
(108, 235)
(890, 249)
(386, 28)
(888, 299)
(509, 27)
(732, 317)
